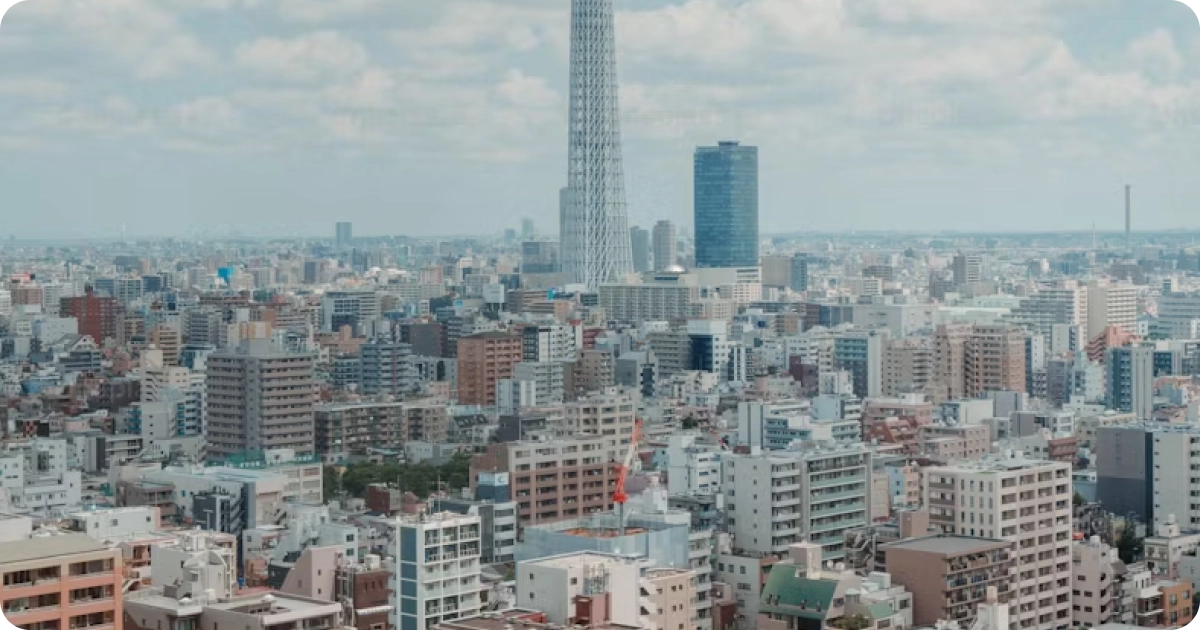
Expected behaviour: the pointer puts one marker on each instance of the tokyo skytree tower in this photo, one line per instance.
(595, 244)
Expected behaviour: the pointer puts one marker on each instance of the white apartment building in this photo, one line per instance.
(116, 523)
(1024, 501)
(551, 585)
(611, 414)
(811, 493)
(435, 570)
(1111, 304)
(1063, 303)
(552, 342)
(693, 466)
(1178, 316)
(549, 379)
(35, 477)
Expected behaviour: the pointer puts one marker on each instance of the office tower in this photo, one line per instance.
(640, 242)
(968, 269)
(97, 315)
(63, 581)
(1025, 502)
(344, 235)
(726, 205)
(664, 245)
(777, 271)
(260, 397)
(815, 494)
(483, 360)
(386, 368)
(595, 227)
(527, 229)
(539, 257)
(799, 272)
(436, 571)
(1131, 380)
(861, 354)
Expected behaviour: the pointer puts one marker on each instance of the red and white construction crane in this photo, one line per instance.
(619, 497)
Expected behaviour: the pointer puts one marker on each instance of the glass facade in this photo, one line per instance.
(726, 205)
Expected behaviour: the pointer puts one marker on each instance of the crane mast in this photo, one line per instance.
(619, 497)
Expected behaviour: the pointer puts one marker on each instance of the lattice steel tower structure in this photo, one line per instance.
(595, 226)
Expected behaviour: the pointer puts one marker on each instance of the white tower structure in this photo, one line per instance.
(595, 241)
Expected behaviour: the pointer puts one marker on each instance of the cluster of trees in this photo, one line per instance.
(420, 479)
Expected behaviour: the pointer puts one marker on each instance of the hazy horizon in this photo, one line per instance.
(284, 116)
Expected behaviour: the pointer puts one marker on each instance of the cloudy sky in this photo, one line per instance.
(449, 116)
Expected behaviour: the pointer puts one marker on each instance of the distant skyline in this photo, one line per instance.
(282, 117)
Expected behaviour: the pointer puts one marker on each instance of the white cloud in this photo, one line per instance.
(310, 57)
(143, 37)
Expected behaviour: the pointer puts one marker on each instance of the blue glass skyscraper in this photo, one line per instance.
(726, 205)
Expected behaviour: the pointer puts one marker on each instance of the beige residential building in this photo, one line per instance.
(954, 443)
(1111, 304)
(484, 359)
(260, 397)
(908, 366)
(668, 595)
(1025, 502)
(61, 582)
(1097, 586)
(554, 480)
(949, 576)
(611, 414)
(995, 360)
(949, 361)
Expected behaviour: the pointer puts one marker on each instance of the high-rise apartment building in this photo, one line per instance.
(386, 367)
(777, 271)
(483, 360)
(555, 480)
(664, 245)
(551, 342)
(967, 269)
(814, 494)
(726, 205)
(97, 315)
(1111, 304)
(1065, 302)
(907, 366)
(995, 360)
(260, 397)
(594, 220)
(640, 241)
(436, 570)
(1025, 502)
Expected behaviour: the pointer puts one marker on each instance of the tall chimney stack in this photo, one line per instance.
(1127, 215)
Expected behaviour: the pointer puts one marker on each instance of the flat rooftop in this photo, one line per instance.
(948, 545)
(48, 547)
(515, 619)
(603, 532)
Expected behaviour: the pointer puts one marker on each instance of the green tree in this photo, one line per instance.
(1078, 500)
(852, 622)
(1129, 544)
(690, 422)
(332, 483)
